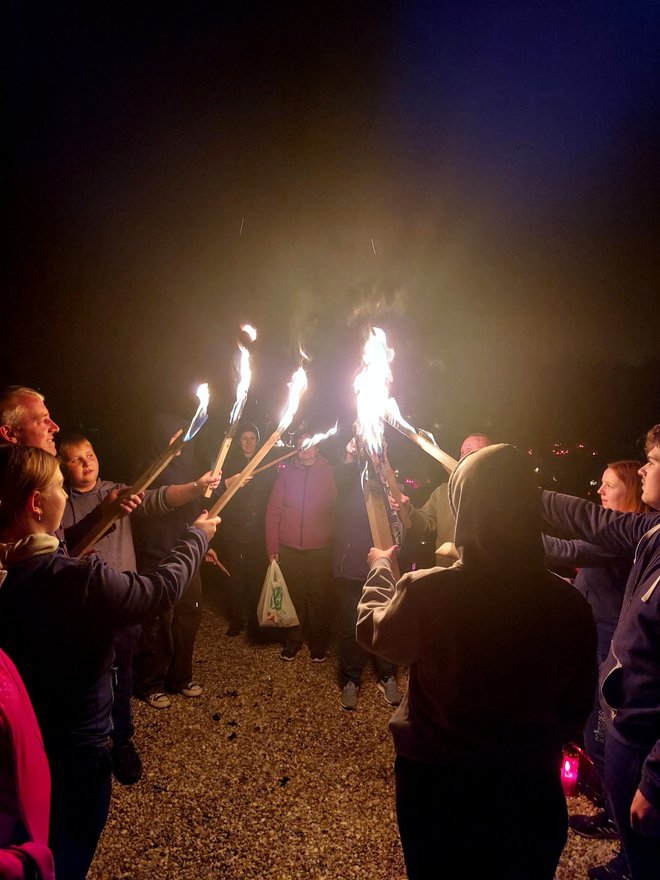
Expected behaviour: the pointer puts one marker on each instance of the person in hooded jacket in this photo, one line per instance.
(241, 540)
(58, 616)
(299, 530)
(630, 676)
(502, 658)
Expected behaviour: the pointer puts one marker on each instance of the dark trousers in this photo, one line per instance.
(517, 833)
(164, 658)
(124, 642)
(80, 800)
(623, 771)
(247, 565)
(352, 657)
(307, 575)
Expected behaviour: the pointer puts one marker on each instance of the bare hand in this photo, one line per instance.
(230, 482)
(274, 557)
(208, 481)
(212, 558)
(644, 817)
(395, 505)
(208, 524)
(375, 554)
(120, 503)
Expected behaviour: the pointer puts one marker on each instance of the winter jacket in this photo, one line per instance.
(301, 508)
(630, 676)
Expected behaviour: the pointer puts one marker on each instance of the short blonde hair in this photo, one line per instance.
(23, 470)
(11, 408)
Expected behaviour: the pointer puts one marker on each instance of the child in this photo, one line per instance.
(88, 493)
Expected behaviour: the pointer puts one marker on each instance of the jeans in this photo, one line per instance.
(307, 576)
(352, 657)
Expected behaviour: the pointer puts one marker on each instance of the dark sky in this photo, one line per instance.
(481, 179)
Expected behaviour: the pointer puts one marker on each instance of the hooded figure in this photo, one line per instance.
(502, 659)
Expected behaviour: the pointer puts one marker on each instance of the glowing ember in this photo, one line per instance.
(372, 390)
(201, 415)
(308, 442)
(297, 387)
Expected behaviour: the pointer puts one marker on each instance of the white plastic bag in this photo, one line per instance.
(275, 607)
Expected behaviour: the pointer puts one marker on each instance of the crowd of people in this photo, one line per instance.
(504, 656)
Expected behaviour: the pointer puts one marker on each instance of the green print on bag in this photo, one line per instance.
(275, 607)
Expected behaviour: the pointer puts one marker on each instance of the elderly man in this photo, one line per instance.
(435, 518)
(25, 420)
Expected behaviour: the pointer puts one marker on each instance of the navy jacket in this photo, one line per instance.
(630, 677)
(57, 618)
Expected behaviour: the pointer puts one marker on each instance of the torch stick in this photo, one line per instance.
(247, 471)
(264, 467)
(446, 460)
(393, 485)
(225, 446)
(381, 532)
(297, 387)
(146, 479)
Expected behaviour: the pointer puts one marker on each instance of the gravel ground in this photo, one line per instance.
(266, 776)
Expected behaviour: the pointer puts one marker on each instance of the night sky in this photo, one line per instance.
(480, 179)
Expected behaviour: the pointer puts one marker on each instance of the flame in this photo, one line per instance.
(394, 417)
(372, 390)
(201, 415)
(297, 387)
(304, 357)
(318, 438)
(250, 331)
(243, 386)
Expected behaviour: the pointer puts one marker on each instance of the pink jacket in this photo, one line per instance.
(301, 509)
(24, 780)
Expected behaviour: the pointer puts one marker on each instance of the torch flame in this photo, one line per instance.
(243, 386)
(394, 417)
(297, 386)
(201, 415)
(318, 438)
(250, 331)
(372, 390)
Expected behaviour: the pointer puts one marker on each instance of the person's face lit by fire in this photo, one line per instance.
(474, 442)
(248, 443)
(612, 491)
(650, 474)
(80, 467)
(33, 427)
(306, 457)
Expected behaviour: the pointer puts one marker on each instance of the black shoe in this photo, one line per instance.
(126, 763)
(617, 869)
(234, 630)
(289, 653)
(597, 827)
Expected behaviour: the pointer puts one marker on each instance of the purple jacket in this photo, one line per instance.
(301, 508)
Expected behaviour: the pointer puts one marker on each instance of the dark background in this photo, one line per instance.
(479, 179)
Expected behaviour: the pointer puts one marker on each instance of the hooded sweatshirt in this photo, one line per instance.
(502, 653)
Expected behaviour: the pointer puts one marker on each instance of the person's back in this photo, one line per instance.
(503, 666)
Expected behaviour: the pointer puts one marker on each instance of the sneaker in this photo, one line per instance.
(159, 701)
(389, 689)
(191, 690)
(234, 630)
(597, 827)
(617, 869)
(318, 657)
(289, 653)
(126, 763)
(349, 695)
